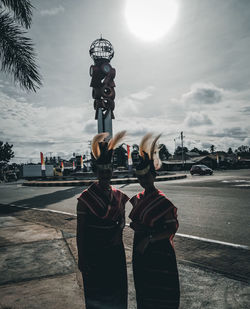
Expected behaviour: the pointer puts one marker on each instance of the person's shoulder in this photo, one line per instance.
(165, 198)
(134, 199)
(120, 193)
(83, 194)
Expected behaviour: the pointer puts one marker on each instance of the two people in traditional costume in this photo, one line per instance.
(100, 222)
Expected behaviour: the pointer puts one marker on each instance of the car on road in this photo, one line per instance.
(201, 169)
(10, 176)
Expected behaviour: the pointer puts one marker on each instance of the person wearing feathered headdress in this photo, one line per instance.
(154, 221)
(100, 223)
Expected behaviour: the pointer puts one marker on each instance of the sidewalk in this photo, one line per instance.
(86, 182)
(38, 269)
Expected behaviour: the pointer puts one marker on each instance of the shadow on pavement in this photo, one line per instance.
(43, 200)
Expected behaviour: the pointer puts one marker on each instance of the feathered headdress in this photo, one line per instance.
(102, 150)
(149, 155)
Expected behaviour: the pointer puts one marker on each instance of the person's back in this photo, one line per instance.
(154, 220)
(100, 222)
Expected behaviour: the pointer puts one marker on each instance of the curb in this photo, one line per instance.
(87, 182)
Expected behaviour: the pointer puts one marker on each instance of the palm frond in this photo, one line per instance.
(22, 10)
(95, 144)
(116, 139)
(17, 54)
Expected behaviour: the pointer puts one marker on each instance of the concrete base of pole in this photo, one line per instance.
(104, 124)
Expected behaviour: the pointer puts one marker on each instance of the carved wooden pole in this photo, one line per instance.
(102, 81)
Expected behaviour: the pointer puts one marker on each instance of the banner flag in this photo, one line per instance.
(42, 161)
(74, 167)
(62, 166)
(130, 163)
(81, 162)
(217, 158)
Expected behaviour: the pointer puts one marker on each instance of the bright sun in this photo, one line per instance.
(151, 19)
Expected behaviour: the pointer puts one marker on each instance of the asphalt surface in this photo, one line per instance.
(215, 207)
(38, 261)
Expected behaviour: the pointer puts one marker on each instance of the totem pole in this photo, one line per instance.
(102, 82)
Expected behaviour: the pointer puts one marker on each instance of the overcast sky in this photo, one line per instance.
(195, 79)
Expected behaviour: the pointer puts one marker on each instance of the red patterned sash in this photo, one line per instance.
(100, 205)
(148, 209)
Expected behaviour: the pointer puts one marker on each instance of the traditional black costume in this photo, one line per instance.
(154, 220)
(100, 222)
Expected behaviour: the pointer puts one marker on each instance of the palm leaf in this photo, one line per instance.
(17, 54)
(22, 10)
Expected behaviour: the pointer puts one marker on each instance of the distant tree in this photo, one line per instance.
(243, 149)
(178, 150)
(230, 151)
(163, 153)
(212, 148)
(204, 152)
(196, 150)
(16, 50)
(6, 152)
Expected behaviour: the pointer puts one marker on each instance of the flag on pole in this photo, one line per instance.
(217, 159)
(62, 166)
(81, 162)
(42, 162)
(130, 163)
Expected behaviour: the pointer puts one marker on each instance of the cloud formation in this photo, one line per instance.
(203, 94)
(52, 11)
(169, 86)
(195, 119)
(37, 128)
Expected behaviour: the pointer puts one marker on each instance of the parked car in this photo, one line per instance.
(10, 176)
(201, 170)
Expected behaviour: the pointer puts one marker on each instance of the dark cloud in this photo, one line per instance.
(207, 96)
(206, 145)
(90, 128)
(34, 144)
(246, 110)
(198, 119)
(203, 94)
(235, 132)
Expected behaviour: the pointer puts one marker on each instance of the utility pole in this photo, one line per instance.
(87, 155)
(182, 154)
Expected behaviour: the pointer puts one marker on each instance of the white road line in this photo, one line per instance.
(127, 224)
(214, 241)
(49, 210)
(211, 240)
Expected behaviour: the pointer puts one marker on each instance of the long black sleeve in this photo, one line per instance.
(81, 236)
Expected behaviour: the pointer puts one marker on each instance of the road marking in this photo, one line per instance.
(214, 241)
(50, 210)
(211, 240)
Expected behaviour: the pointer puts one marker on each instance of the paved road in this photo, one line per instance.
(215, 207)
